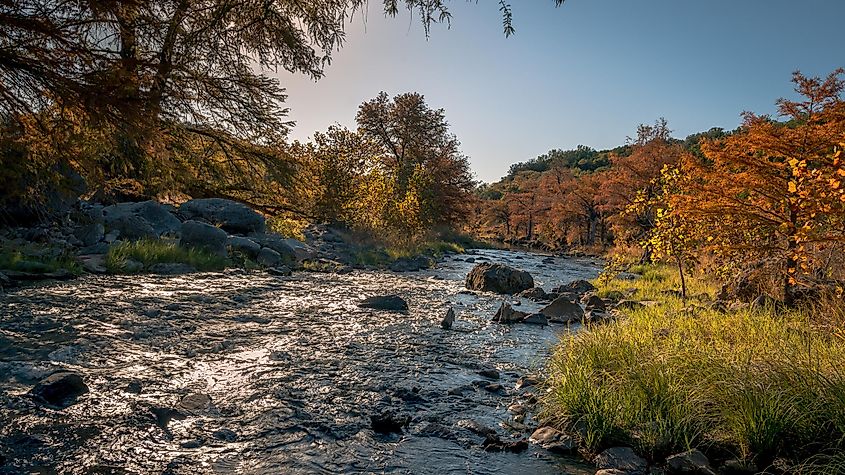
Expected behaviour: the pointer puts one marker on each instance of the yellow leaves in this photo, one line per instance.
(793, 187)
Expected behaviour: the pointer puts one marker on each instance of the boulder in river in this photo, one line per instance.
(506, 314)
(60, 389)
(244, 246)
(205, 236)
(563, 310)
(393, 303)
(536, 319)
(231, 216)
(448, 320)
(553, 440)
(498, 278)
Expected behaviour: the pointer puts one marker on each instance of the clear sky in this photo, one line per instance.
(585, 73)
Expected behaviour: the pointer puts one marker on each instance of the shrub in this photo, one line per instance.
(151, 251)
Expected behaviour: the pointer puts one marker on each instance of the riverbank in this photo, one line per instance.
(752, 387)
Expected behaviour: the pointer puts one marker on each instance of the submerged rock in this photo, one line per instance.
(60, 389)
(553, 440)
(494, 443)
(392, 303)
(498, 278)
(577, 287)
(536, 319)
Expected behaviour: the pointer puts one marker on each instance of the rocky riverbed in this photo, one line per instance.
(248, 372)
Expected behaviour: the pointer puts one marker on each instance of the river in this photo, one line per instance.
(293, 369)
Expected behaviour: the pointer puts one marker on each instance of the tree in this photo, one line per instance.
(419, 155)
(772, 189)
(634, 176)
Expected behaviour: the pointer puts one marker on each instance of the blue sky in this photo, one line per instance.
(585, 73)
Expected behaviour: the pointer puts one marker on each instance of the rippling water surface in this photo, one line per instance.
(293, 369)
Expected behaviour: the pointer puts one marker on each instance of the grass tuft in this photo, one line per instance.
(150, 251)
(37, 259)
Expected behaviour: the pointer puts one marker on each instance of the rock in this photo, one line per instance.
(224, 434)
(134, 387)
(493, 443)
(595, 302)
(278, 244)
(231, 216)
(536, 319)
(204, 236)
(131, 266)
(111, 236)
(534, 293)
(388, 422)
(621, 458)
(498, 278)
(610, 471)
(94, 263)
(691, 462)
(194, 403)
(132, 228)
(629, 305)
(553, 440)
(595, 316)
(269, 258)
(151, 217)
(412, 264)
(563, 310)
(475, 427)
(448, 320)
(90, 234)
(244, 246)
(578, 287)
(191, 444)
(282, 271)
(548, 260)
(526, 381)
(172, 268)
(392, 303)
(739, 467)
(60, 389)
(506, 314)
(489, 373)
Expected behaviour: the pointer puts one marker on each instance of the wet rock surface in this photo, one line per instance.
(247, 372)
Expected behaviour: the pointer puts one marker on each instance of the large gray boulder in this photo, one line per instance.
(131, 227)
(231, 216)
(691, 462)
(269, 258)
(158, 218)
(498, 278)
(204, 236)
(90, 234)
(506, 314)
(563, 310)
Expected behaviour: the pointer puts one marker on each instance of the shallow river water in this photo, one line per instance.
(293, 369)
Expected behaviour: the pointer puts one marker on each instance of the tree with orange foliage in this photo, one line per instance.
(774, 188)
(634, 175)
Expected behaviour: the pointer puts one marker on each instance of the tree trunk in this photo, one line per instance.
(683, 279)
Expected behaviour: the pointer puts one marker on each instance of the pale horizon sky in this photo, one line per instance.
(586, 73)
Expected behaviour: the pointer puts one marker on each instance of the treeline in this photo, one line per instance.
(767, 196)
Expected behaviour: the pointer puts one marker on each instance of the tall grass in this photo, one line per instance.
(752, 384)
(152, 251)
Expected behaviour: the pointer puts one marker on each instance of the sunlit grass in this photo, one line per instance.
(149, 252)
(673, 376)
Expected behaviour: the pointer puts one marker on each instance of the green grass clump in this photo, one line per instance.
(150, 251)
(384, 255)
(756, 384)
(37, 260)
